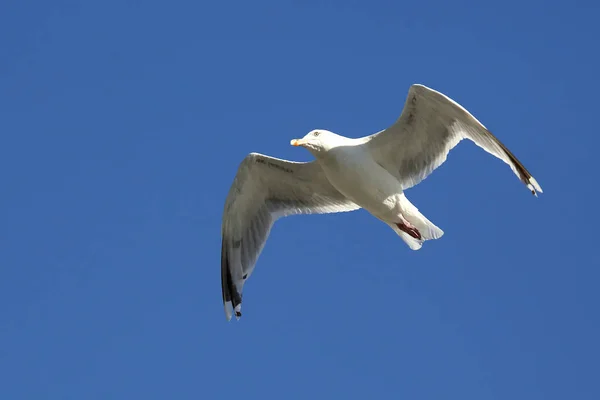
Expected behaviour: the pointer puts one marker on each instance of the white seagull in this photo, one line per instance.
(371, 172)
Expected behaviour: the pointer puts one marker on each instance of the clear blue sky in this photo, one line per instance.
(121, 129)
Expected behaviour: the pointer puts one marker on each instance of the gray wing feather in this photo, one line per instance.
(431, 124)
(265, 189)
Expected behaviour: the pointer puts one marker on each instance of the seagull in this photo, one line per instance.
(370, 172)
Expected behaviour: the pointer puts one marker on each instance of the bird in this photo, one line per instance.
(370, 173)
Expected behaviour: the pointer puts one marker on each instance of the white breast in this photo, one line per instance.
(353, 172)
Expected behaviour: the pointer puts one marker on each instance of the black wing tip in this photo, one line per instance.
(535, 186)
(529, 181)
(230, 311)
(525, 176)
(228, 288)
(532, 185)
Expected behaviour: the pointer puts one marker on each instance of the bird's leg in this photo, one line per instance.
(408, 228)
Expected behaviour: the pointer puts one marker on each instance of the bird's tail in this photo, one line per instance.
(427, 230)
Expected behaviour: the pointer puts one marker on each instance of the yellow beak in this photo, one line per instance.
(297, 142)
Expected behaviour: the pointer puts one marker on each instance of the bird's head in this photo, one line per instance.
(319, 141)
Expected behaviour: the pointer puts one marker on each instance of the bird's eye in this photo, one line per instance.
(316, 133)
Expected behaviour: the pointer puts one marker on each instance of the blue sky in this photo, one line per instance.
(122, 126)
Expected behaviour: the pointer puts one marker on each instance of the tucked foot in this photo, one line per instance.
(411, 230)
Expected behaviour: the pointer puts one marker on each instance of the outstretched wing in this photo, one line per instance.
(265, 189)
(430, 125)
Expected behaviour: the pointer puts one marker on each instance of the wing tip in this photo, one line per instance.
(228, 309)
(232, 298)
(534, 186)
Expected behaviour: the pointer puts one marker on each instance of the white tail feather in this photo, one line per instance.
(426, 228)
(413, 243)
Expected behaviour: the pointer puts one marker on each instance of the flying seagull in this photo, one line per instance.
(370, 172)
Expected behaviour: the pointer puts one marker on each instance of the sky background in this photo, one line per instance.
(122, 125)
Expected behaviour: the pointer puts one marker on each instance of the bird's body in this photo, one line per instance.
(355, 174)
(371, 172)
(351, 169)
